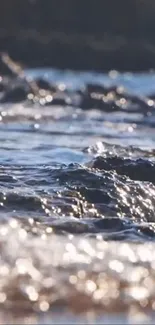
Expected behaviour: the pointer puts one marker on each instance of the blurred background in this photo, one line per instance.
(89, 34)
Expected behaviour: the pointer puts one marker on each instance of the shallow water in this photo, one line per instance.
(77, 200)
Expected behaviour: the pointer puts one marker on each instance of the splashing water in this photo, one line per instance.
(77, 198)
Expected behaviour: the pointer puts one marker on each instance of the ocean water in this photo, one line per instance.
(77, 198)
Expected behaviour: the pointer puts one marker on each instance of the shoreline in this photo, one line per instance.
(78, 51)
(103, 36)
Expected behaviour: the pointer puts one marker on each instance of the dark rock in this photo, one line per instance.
(140, 169)
(15, 95)
(44, 84)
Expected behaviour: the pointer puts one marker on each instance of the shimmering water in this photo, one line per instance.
(77, 198)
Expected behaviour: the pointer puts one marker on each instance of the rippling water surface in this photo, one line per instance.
(77, 198)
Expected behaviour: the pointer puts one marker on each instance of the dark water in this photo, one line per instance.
(77, 199)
